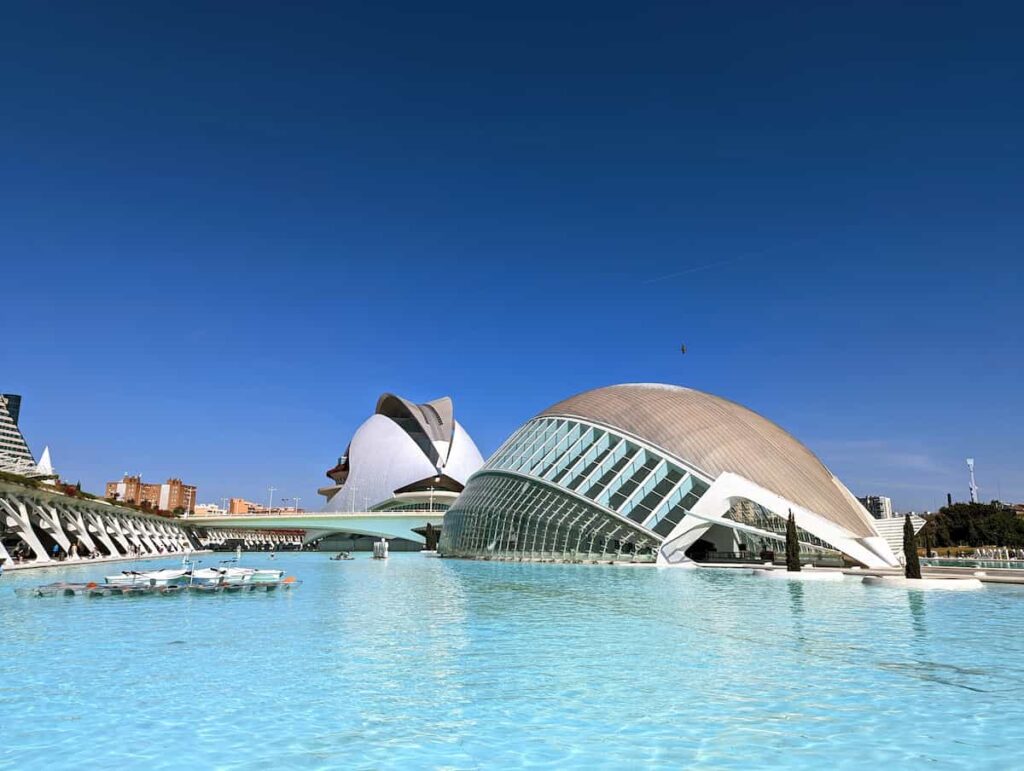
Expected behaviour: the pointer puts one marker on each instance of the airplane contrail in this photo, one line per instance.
(695, 269)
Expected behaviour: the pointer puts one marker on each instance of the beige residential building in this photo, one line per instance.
(169, 496)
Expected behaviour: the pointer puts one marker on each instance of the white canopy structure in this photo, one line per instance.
(652, 472)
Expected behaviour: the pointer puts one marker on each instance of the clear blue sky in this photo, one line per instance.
(225, 229)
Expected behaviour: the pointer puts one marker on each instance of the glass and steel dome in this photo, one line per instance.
(650, 472)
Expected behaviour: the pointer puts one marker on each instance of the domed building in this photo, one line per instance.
(404, 457)
(650, 472)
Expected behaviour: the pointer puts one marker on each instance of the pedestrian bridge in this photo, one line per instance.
(377, 524)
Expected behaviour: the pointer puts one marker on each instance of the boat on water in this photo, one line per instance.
(267, 575)
(211, 576)
(232, 576)
(127, 578)
(253, 574)
(164, 577)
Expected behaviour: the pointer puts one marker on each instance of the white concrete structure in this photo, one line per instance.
(316, 525)
(649, 472)
(44, 467)
(403, 449)
(34, 521)
(892, 531)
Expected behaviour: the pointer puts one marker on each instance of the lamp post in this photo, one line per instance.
(436, 480)
(270, 499)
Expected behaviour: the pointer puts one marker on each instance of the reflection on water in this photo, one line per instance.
(419, 662)
(796, 605)
(916, 600)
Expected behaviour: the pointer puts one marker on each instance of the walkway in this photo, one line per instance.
(81, 562)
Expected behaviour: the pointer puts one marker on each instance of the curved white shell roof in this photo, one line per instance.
(716, 435)
(383, 457)
(464, 458)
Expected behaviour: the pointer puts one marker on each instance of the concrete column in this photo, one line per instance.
(50, 522)
(18, 518)
(147, 532)
(94, 523)
(159, 537)
(166, 540)
(175, 537)
(76, 525)
(115, 527)
(138, 537)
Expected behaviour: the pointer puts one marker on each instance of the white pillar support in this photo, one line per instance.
(115, 528)
(95, 525)
(137, 537)
(76, 524)
(18, 518)
(49, 521)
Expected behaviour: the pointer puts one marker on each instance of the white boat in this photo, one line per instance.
(266, 576)
(234, 575)
(207, 576)
(165, 576)
(126, 578)
(238, 575)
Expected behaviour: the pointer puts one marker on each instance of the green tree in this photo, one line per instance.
(792, 545)
(913, 569)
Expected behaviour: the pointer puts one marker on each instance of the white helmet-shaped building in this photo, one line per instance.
(405, 456)
(650, 472)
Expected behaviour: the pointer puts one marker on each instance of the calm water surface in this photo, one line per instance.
(422, 662)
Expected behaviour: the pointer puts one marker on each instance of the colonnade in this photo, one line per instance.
(43, 527)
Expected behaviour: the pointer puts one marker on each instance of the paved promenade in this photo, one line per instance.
(84, 562)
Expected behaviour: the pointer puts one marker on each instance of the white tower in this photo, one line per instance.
(974, 486)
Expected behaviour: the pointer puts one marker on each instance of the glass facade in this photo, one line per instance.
(773, 530)
(507, 517)
(562, 488)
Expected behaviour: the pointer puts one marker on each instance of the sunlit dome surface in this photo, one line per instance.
(657, 473)
(717, 435)
(401, 455)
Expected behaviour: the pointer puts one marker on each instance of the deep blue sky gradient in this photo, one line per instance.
(225, 229)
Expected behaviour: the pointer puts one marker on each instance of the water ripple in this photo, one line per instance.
(425, 663)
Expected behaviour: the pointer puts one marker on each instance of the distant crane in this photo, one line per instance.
(974, 485)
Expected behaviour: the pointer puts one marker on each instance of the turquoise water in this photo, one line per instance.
(424, 663)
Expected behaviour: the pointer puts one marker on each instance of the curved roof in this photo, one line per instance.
(401, 444)
(716, 435)
(433, 418)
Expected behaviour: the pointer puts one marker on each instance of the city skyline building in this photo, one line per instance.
(652, 472)
(209, 510)
(168, 496)
(240, 506)
(15, 455)
(878, 506)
